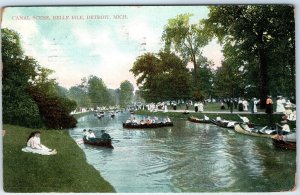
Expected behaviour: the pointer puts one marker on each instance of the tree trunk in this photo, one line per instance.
(196, 83)
(263, 82)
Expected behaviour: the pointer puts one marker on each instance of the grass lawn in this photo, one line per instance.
(67, 171)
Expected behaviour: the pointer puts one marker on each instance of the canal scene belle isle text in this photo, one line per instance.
(149, 99)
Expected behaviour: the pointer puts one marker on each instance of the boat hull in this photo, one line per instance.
(99, 142)
(196, 120)
(146, 126)
(239, 129)
(284, 144)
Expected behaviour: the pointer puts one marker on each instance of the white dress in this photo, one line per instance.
(245, 105)
(255, 102)
(280, 107)
(200, 106)
(34, 145)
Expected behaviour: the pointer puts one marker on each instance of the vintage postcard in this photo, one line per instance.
(149, 99)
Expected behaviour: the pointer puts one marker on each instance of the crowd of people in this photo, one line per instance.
(149, 120)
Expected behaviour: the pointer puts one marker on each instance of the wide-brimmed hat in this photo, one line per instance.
(288, 106)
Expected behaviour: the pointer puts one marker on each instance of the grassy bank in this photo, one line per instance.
(258, 119)
(67, 171)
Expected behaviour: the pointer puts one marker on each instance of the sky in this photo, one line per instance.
(103, 41)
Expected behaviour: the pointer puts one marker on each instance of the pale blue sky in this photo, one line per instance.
(106, 48)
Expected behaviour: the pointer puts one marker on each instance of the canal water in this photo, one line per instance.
(188, 157)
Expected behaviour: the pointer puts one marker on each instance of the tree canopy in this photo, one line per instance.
(98, 92)
(126, 93)
(162, 76)
(186, 39)
(261, 40)
(25, 82)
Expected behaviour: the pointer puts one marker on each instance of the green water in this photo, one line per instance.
(188, 157)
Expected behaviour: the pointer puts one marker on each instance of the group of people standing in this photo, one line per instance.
(199, 107)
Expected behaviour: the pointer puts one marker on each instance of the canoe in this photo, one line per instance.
(98, 142)
(245, 129)
(284, 144)
(198, 120)
(146, 126)
(224, 123)
(285, 141)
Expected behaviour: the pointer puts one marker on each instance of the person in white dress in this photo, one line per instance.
(245, 105)
(280, 107)
(285, 128)
(166, 108)
(255, 102)
(34, 145)
(90, 135)
(200, 105)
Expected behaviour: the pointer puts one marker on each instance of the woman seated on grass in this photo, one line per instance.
(34, 145)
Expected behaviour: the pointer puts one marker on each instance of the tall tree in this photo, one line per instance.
(18, 70)
(126, 93)
(25, 82)
(162, 77)
(229, 81)
(186, 39)
(264, 36)
(98, 92)
(78, 94)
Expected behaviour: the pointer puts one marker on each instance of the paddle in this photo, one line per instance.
(262, 129)
(244, 119)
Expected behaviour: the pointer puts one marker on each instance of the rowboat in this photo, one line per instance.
(245, 129)
(224, 123)
(145, 126)
(285, 141)
(198, 120)
(98, 142)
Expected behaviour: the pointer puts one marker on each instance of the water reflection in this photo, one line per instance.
(188, 157)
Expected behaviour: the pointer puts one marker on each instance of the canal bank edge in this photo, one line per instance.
(67, 171)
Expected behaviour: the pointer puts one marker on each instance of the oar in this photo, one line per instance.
(241, 117)
(261, 130)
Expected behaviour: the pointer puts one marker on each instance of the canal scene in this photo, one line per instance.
(149, 99)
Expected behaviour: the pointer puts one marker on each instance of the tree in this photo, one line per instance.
(186, 39)
(264, 37)
(18, 106)
(78, 94)
(162, 77)
(55, 111)
(126, 93)
(27, 89)
(228, 81)
(98, 92)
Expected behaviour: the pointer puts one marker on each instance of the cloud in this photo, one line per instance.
(140, 31)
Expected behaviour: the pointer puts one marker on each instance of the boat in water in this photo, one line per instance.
(146, 126)
(224, 123)
(98, 142)
(259, 132)
(198, 120)
(285, 141)
(104, 141)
